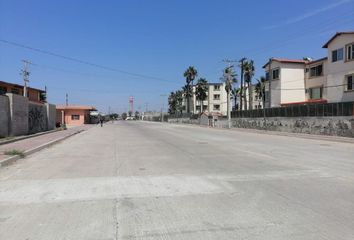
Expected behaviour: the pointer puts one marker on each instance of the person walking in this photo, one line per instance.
(101, 121)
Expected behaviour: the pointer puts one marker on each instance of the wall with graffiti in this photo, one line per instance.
(18, 116)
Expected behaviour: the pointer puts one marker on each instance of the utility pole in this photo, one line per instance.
(270, 81)
(146, 107)
(66, 99)
(242, 62)
(163, 104)
(25, 74)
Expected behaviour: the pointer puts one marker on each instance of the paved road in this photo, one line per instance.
(134, 180)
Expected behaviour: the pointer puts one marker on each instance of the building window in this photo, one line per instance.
(216, 107)
(216, 87)
(275, 74)
(3, 90)
(197, 108)
(350, 52)
(15, 91)
(316, 93)
(267, 76)
(316, 71)
(337, 55)
(75, 117)
(350, 82)
(216, 96)
(205, 107)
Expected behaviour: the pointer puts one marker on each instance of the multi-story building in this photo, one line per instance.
(287, 78)
(329, 79)
(33, 94)
(340, 67)
(255, 102)
(216, 101)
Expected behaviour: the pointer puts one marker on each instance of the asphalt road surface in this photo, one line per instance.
(136, 180)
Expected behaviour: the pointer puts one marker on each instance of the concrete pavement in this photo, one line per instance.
(30, 144)
(136, 180)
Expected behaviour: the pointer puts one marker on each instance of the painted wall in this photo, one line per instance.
(338, 70)
(292, 77)
(68, 116)
(313, 82)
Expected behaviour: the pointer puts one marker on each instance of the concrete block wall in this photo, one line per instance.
(4, 116)
(18, 121)
(18, 116)
(331, 126)
(51, 116)
(37, 118)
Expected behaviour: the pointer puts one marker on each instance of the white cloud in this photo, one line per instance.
(308, 14)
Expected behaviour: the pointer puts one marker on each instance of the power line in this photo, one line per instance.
(79, 73)
(80, 61)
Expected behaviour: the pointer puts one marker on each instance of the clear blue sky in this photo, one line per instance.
(155, 38)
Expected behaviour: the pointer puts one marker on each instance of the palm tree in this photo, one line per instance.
(241, 65)
(260, 90)
(187, 91)
(179, 101)
(235, 94)
(229, 78)
(201, 91)
(190, 74)
(249, 73)
(172, 103)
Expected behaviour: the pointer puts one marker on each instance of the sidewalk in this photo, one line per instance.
(33, 144)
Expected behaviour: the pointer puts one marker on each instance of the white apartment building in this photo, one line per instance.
(288, 81)
(340, 67)
(329, 79)
(256, 101)
(216, 101)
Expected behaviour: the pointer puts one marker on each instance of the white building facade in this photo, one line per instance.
(329, 79)
(216, 101)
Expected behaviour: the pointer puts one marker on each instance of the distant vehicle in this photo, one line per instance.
(130, 118)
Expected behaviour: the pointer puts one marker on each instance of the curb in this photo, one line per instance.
(13, 159)
(27, 136)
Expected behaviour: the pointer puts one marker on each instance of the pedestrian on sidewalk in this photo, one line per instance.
(101, 121)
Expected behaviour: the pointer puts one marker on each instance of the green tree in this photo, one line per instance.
(124, 116)
(137, 115)
(235, 94)
(187, 91)
(242, 65)
(229, 78)
(190, 74)
(260, 90)
(175, 100)
(179, 101)
(248, 75)
(172, 103)
(201, 92)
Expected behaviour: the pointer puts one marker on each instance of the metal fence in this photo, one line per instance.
(308, 110)
(182, 115)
